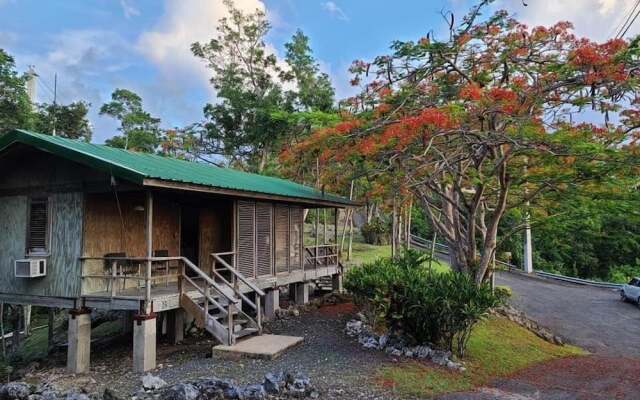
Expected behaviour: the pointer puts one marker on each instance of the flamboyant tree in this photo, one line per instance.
(487, 120)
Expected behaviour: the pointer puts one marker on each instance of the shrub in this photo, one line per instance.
(623, 273)
(376, 232)
(427, 307)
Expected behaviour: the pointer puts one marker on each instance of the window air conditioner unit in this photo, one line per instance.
(31, 268)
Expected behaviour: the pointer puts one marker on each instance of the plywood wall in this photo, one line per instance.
(63, 264)
(106, 232)
(215, 231)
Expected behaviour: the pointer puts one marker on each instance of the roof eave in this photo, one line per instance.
(165, 184)
(18, 136)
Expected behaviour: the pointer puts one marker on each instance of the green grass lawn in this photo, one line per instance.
(364, 253)
(497, 347)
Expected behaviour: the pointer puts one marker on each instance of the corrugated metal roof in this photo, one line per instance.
(136, 167)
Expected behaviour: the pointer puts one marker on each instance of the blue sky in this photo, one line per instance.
(96, 46)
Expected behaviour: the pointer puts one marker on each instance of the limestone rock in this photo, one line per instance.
(152, 382)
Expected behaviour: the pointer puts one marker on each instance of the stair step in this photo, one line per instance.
(245, 332)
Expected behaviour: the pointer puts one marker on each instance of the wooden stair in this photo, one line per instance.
(218, 307)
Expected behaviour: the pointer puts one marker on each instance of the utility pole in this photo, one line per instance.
(528, 248)
(55, 98)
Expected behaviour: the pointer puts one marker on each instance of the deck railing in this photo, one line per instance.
(323, 255)
(117, 275)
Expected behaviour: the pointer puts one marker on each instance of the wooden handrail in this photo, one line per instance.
(203, 292)
(238, 275)
(131, 258)
(208, 279)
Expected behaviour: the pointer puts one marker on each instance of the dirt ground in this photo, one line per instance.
(581, 378)
(338, 366)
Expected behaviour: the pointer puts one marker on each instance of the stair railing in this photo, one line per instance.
(234, 284)
(227, 311)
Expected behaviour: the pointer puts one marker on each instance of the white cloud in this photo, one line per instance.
(183, 23)
(7, 38)
(334, 10)
(596, 19)
(128, 10)
(87, 63)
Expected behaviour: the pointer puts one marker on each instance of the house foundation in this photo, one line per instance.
(79, 350)
(175, 325)
(144, 343)
(300, 292)
(271, 303)
(336, 283)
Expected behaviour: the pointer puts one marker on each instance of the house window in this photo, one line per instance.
(38, 229)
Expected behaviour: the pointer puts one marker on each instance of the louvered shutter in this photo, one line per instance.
(38, 225)
(246, 239)
(264, 214)
(282, 238)
(295, 238)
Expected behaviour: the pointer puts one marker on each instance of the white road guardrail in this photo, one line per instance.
(425, 244)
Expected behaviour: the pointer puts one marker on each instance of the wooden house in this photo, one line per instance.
(86, 226)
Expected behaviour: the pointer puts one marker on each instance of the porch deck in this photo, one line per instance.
(166, 296)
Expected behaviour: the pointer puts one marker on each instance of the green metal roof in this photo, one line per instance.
(137, 167)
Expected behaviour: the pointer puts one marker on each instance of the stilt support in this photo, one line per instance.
(301, 292)
(144, 342)
(336, 283)
(175, 325)
(271, 303)
(79, 350)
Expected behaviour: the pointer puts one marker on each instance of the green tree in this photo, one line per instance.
(69, 120)
(314, 89)
(139, 130)
(15, 107)
(245, 76)
(475, 125)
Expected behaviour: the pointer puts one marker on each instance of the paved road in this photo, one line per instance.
(592, 318)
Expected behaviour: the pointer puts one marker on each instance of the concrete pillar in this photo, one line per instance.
(79, 349)
(144, 343)
(175, 325)
(301, 294)
(336, 283)
(271, 303)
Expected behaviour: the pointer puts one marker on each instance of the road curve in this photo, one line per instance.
(592, 318)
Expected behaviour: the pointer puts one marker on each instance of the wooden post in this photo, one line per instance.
(4, 343)
(15, 340)
(394, 229)
(149, 238)
(230, 311)
(259, 312)
(114, 274)
(346, 219)
(50, 327)
(324, 226)
(335, 234)
(315, 251)
(408, 227)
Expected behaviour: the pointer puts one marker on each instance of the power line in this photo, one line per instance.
(629, 11)
(44, 84)
(630, 24)
(629, 21)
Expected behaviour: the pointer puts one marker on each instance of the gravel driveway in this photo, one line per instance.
(339, 368)
(592, 318)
